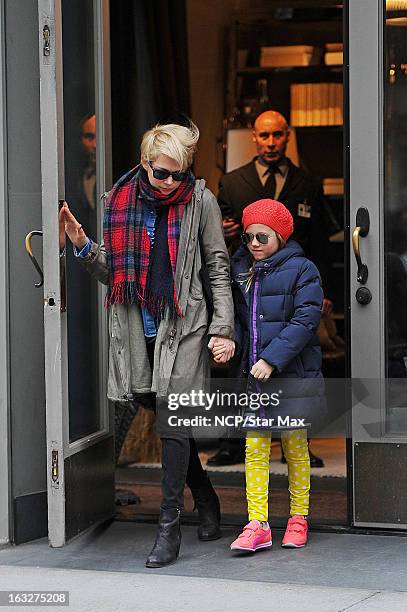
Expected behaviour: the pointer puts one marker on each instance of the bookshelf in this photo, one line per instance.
(288, 25)
(310, 25)
(291, 71)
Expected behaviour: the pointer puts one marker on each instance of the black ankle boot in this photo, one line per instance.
(207, 504)
(168, 540)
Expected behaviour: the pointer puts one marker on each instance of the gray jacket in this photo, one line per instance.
(181, 358)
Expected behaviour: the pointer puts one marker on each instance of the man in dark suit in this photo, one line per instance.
(273, 175)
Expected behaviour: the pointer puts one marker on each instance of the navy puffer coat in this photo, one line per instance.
(277, 320)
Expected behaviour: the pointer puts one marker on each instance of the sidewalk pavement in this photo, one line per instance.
(93, 591)
(104, 571)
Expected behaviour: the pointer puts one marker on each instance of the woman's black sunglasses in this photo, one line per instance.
(160, 174)
(249, 237)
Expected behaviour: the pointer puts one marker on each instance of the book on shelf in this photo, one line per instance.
(308, 103)
(333, 186)
(332, 47)
(295, 104)
(339, 104)
(333, 58)
(316, 104)
(324, 103)
(289, 56)
(302, 101)
(333, 54)
(331, 103)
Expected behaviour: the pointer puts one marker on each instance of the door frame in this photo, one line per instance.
(59, 447)
(346, 254)
(5, 464)
(366, 189)
(104, 178)
(370, 437)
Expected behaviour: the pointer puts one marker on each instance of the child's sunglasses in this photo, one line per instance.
(260, 237)
(160, 174)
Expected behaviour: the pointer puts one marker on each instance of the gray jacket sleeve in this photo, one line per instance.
(217, 264)
(95, 262)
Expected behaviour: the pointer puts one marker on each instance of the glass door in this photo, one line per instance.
(75, 136)
(378, 252)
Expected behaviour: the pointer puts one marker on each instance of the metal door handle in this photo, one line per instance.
(361, 231)
(33, 259)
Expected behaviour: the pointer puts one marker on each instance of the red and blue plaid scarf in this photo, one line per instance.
(128, 245)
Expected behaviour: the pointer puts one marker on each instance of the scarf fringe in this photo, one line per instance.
(130, 292)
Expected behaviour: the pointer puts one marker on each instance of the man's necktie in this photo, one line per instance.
(270, 184)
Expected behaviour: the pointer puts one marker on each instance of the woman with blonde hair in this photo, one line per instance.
(161, 226)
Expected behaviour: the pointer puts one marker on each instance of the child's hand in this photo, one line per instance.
(262, 370)
(222, 349)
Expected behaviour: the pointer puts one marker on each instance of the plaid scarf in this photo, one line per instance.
(135, 267)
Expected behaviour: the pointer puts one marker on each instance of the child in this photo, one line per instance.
(278, 299)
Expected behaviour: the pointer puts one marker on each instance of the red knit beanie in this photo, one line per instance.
(271, 213)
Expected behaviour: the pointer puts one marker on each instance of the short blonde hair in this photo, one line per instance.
(175, 141)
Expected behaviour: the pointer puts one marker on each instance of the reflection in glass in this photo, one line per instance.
(80, 193)
(395, 206)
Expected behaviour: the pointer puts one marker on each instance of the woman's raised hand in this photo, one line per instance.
(69, 225)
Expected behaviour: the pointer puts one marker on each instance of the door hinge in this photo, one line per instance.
(54, 466)
(46, 41)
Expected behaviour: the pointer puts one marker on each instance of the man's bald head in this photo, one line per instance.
(271, 135)
(273, 117)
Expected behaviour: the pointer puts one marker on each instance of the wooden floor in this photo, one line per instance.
(328, 504)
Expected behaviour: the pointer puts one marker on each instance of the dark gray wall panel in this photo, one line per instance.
(380, 483)
(30, 517)
(26, 302)
(89, 482)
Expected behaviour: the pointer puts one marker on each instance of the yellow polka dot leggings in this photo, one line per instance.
(295, 447)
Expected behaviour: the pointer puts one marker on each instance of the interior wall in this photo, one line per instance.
(27, 393)
(206, 24)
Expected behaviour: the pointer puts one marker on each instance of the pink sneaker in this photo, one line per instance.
(296, 533)
(252, 538)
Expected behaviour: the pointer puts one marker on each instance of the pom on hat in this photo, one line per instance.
(271, 213)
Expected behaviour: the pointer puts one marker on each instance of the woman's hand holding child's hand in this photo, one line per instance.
(222, 349)
(262, 370)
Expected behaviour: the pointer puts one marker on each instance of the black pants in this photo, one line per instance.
(180, 460)
(181, 464)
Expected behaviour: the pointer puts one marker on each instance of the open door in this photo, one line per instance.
(378, 237)
(74, 72)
